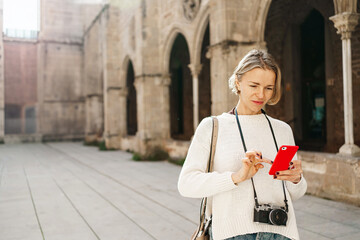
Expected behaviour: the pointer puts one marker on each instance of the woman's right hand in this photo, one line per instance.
(251, 164)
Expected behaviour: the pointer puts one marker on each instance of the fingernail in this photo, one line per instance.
(272, 161)
(261, 156)
(291, 163)
(275, 177)
(277, 173)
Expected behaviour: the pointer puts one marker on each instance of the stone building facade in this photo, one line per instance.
(178, 55)
(141, 74)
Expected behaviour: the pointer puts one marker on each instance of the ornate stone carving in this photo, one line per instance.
(195, 69)
(191, 8)
(345, 23)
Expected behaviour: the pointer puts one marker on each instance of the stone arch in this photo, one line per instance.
(181, 90)
(258, 13)
(123, 69)
(169, 42)
(129, 90)
(260, 16)
(301, 86)
(199, 35)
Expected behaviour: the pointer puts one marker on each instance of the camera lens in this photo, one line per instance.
(283, 148)
(278, 217)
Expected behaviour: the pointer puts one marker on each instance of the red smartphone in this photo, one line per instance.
(283, 158)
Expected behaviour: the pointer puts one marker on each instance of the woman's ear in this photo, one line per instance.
(237, 83)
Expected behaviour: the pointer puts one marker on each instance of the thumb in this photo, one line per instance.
(258, 166)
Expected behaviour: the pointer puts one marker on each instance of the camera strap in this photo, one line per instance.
(245, 149)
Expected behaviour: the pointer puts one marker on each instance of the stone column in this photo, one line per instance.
(122, 97)
(142, 110)
(163, 82)
(195, 71)
(345, 23)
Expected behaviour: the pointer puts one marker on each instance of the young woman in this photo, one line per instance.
(242, 193)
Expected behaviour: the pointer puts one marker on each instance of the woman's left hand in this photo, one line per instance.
(293, 174)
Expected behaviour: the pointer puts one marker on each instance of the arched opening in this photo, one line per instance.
(305, 58)
(204, 78)
(181, 97)
(131, 109)
(313, 97)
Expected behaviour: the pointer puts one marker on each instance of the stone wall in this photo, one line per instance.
(332, 176)
(115, 65)
(60, 62)
(93, 77)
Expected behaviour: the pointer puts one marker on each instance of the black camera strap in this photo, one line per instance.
(245, 149)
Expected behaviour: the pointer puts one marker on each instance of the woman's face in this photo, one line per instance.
(256, 89)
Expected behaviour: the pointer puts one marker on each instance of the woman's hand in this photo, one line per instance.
(293, 174)
(251, 164)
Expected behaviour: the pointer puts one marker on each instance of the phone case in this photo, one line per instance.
(283, 158)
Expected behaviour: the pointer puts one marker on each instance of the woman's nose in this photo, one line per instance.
(260, 93)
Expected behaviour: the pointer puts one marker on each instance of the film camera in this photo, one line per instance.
(270, 214)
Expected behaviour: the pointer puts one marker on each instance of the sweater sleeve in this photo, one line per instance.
(299, 189)
(194, 181)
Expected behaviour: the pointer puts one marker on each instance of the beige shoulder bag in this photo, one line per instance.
(202, 231)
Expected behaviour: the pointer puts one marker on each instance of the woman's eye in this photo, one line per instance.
(252, 85)
(269, 89)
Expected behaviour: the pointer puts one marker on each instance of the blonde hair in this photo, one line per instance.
(257, 59)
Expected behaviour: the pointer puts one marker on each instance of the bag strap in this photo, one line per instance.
(215, 128)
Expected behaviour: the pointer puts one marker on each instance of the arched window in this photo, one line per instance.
(204, 78)
(131, 108)
(181, 97)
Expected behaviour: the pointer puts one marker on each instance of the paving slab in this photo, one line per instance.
(66, 190)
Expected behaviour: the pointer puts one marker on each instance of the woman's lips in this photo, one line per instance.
(258, 102)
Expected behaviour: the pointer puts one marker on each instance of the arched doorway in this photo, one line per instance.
(298, 44)
(181, 96)
(313, 88)
(131, 109)
(204, 78)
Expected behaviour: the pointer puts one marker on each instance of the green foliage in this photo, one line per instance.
(155, 154)
(177, 161)
(102, 147)
(136, 157)
(94, 143)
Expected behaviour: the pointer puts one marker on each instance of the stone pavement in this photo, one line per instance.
(70, 191)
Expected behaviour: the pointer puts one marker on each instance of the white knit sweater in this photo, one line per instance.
(233, 205)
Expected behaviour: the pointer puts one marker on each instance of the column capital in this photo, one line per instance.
(345, 23)
(195, 69)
